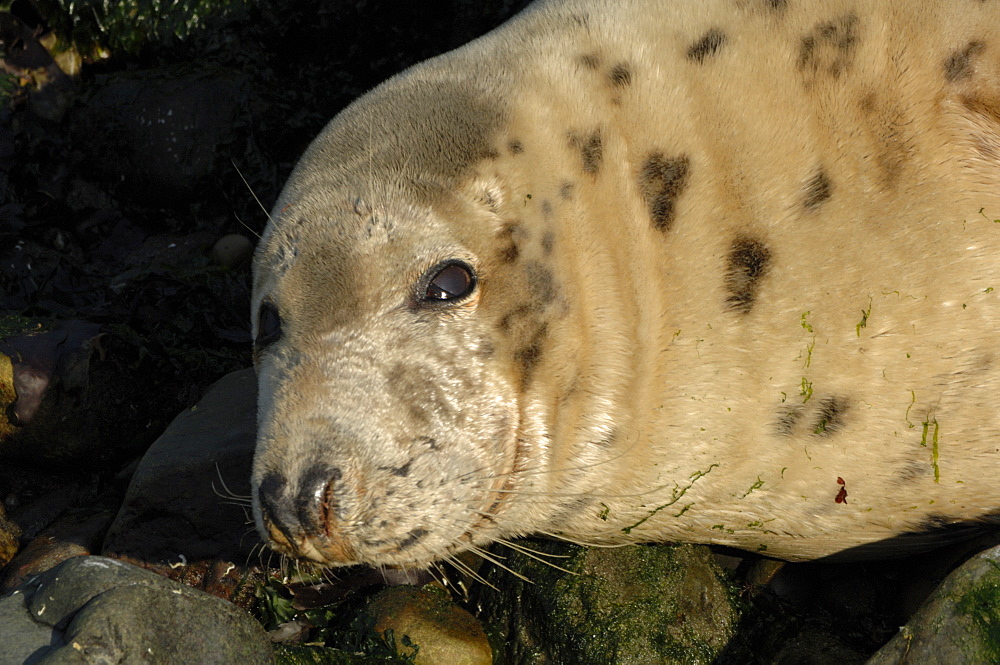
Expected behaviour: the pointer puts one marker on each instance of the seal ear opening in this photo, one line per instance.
(268, 326)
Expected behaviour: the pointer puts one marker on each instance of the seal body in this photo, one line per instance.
(711, 271)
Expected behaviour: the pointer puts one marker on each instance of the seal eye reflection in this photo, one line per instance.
(268, 325)
(450, 282)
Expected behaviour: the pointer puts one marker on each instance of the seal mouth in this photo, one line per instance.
(504, 485)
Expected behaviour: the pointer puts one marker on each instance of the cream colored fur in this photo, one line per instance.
(772, 278)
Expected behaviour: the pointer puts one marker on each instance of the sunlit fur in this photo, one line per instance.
(739, 271)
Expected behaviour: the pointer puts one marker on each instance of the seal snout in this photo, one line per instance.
(302, 522)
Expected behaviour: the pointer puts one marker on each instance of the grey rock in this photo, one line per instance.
(959, 623)
(186, 513)
(98, 610)
(23, 637)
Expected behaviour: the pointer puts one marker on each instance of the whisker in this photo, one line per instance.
(494, 559)
(537, 556)
(254, 195)
(465, 568)
(228, 493)
(582, 543)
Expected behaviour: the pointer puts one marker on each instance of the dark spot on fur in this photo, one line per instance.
(590, 150)
(620, 75)
(984, 106)
(788, 416)
(506, 322)
(528, 356)
(430, 442)
(515, 147)
(566, 191)
(913, 470)
(888, 131)
(425, 109)
(608, 440)
(571, 508)
(509, 251)
(707, 46)
(491, 201)
(661, 181)
(546, 208)
(776, 5)
(958, 66)
(412, 538)
(590, 60)
(402, 471)
(416, 390)
(831, 415)
(490, 153)
(748, 262)
(548, 242)
(540, 282)
(818, 190)
(829, 48)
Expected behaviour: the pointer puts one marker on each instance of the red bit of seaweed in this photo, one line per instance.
(842, 494)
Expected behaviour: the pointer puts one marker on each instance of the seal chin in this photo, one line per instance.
(322, 550)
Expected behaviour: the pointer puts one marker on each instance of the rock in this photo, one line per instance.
(426, 623)
(636, 604)
(816, 647)
(161, 131)
(10, 534)
(97, 610)
(186, 514)
(231, 251)
(77, 533)
(959, 623)
(50, 374)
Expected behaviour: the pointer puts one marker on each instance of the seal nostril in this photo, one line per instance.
(328, 506)
(273, 504)
(316, 503)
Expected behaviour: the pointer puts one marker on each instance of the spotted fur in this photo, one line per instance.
(662, 180)
(627, 271)
(707, 46)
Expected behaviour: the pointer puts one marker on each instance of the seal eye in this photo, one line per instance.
(268, 325)
(450, 282)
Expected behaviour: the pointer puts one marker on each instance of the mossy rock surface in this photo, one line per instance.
(636, 604)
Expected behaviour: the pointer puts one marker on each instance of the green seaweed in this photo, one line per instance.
(676, 495)
(757, 485)
(981, 604)
(807, 390)
(865, 313)
(934, 445)
(906, 416)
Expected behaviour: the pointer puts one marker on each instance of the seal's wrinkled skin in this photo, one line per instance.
(712, 271)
